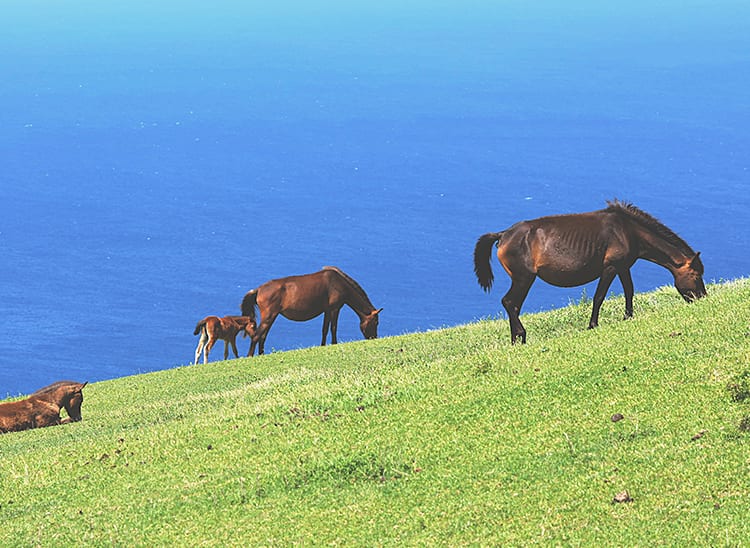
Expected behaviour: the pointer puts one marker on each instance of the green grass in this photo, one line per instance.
(450, 437)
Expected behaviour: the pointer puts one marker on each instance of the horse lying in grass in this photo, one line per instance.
(571, 250)
(213, 328)
(42, 408)
(302, 298)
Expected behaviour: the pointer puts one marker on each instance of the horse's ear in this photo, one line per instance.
(696, 260)
(378, 311)
(84, 384)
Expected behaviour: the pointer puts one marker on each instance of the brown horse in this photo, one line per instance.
(43, 407)
(302, 298)
(213, 328)
(571, 250)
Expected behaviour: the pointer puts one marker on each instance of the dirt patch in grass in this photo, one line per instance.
(739, 387)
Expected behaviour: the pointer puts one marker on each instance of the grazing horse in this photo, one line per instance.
(43, 407)
(213, 328)
(302, 298)
(571, 250)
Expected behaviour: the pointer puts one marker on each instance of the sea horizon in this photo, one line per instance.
(161, 161)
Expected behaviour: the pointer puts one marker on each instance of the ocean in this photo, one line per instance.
(160, 161)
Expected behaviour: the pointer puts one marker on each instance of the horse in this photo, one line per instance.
(302, 298)
(42, 408)
(213, 328)
(575, 249)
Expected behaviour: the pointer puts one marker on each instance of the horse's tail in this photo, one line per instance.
(249, 302)
(201, 325)
(482, 252)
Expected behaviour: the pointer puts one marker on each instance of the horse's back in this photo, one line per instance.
(218, 327)
(563, 250)
(11, 408)
(208, 323)
(301, 297)
(229, 325)
(575, 229)
(296, 286)
(16, 416)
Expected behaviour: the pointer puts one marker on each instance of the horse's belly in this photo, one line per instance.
(570, 276)
(301, 315)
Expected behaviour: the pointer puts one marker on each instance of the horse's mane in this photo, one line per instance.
(352, 282)
(650, 222)
(52, 387)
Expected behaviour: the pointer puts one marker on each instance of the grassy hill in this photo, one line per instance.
(446, 437)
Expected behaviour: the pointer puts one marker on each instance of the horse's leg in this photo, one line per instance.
(262, 333)
(201, 343)
(262, 344)
(207, 348)
(605, 280)
(198, 350)
(512, 301)
(254, 340)
(627, 286)
(42, 420)
(326, 324)
(334, 325)
(226, 350)
(233, 340)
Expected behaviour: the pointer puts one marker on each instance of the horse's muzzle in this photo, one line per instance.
(691, 296)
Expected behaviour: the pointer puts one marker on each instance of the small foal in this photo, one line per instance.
(213, 328)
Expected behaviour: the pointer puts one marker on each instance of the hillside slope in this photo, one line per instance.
(451, 437)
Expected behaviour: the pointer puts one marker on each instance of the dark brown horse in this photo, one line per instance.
(571, 250)
(213, 328)
(302, 298)
(43, 407)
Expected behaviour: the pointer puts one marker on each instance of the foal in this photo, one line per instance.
(42, 408)
(213, 328)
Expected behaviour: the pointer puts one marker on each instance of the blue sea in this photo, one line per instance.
(160, 159)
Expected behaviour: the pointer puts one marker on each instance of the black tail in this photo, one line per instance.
(482, 252)
(201, 325)
(249, 303)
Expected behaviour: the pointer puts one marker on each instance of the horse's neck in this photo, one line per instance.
(53, 407)
(658, 250)
(357, 301)
(359, 305)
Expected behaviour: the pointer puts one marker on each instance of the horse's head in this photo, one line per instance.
(249, 329)
(369, 324)
(73, 401)
(688, 279)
